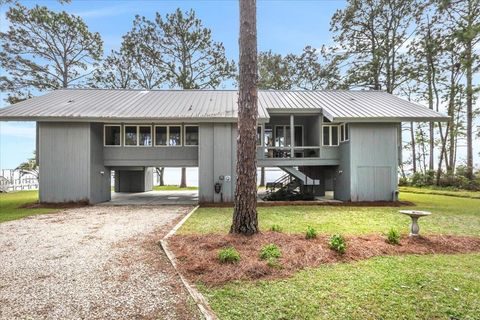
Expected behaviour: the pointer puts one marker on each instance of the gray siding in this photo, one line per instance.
(374, 161)
(99, 174)
(342, 180)
(71, 163)
(217, 158)
(151, 156)
(64, 161)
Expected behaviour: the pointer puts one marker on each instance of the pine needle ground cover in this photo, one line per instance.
(397, 282)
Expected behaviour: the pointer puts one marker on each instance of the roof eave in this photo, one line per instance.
(392, 119)
(126, 120)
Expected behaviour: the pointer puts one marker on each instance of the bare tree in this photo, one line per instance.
(245, 220)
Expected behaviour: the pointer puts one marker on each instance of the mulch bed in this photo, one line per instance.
(197, 254)
(60, 205)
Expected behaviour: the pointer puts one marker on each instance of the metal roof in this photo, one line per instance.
(212, 105)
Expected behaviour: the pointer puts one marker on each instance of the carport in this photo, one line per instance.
(181, 197)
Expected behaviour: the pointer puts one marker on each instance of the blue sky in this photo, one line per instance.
(283, 26)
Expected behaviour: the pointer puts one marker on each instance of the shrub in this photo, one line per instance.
(228, 255)
(273, 263)
(393, 236)
(275, 228)
(311, 233)
(403, 181)
(270, 251)
(337, 243)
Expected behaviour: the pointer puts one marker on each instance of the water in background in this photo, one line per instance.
(172, 176)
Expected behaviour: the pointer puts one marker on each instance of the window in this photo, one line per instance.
(145, 135)
(191, 135)
(282, 136)
(268, 136)
(131, 136)
(112, 135)
(259, 135)
(330, 135)
(169, 135)
(298, 136)
(160, 135)
(344, 132)
(347, 134)
(175, 136)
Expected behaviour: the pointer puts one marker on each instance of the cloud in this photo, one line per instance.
(17, 130)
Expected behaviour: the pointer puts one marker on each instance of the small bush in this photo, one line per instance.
(273, 263)
(275, 228)
(403, 181)
(393, 236)
(228, 255)
(270, 251)
(311, 233)
(337, 243)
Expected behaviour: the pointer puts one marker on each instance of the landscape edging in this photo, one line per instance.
(199, 299)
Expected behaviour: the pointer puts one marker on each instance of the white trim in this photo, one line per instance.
(168, 135)
(125, 136)
(138, 136)
(105, 136)
(185, 135)
(261, 135)
(137, 126)
(344, 130)
(330, 126)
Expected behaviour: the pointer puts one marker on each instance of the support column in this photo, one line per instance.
(292, 136)
(320, 134)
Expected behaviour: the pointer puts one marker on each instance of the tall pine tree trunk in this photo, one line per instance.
(160, 172)
(414, 151)
(469, 60)
(183, 180)
(431, 125)
(245, 220)
(262, 177)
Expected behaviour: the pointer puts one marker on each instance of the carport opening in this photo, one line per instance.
(278, 181)
(153, 186)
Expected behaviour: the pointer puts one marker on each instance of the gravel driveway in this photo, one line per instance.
(91, 263)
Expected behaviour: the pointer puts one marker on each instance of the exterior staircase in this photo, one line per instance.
(290, 186)
(306, 181)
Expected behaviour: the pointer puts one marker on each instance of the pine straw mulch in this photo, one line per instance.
(51, 205)
(197, 254)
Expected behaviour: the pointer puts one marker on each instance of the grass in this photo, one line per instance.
(442, 191)
(451, 215)
(10, 203)
(172, 188)
(403, 287)
(390, 287)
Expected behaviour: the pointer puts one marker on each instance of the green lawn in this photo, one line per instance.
(10, 203)
(391, 287)
(451, 215)
(442, 191)
(403, 287)
(172, 188)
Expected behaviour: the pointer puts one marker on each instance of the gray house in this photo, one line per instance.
(344, 141)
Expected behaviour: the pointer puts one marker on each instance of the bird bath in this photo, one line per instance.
(415, 214)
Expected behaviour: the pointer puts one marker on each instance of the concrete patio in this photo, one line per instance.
(183, 197)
